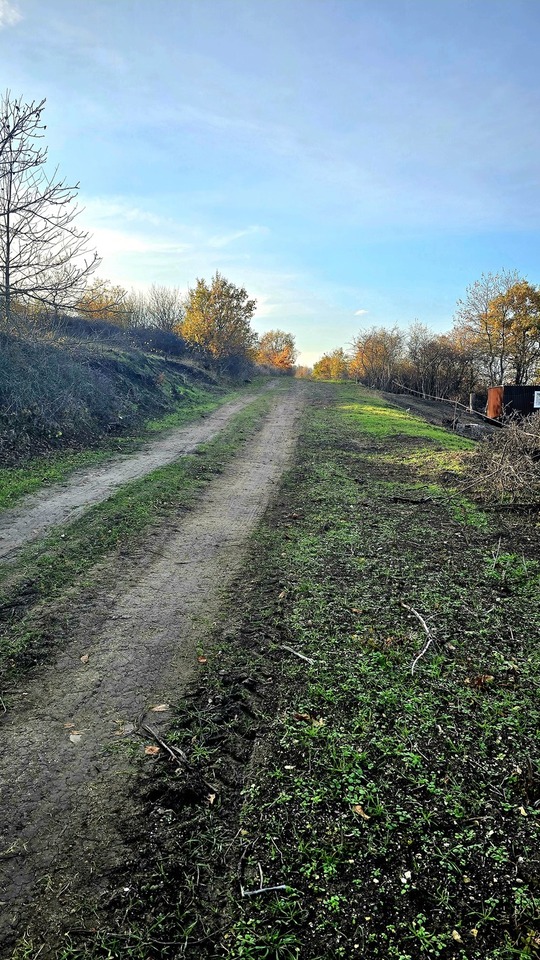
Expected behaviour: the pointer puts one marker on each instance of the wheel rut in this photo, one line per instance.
(39, 513)
(65, 795)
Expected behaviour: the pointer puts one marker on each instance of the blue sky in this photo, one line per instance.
(350, 162)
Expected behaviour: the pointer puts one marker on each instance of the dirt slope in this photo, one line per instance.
(70, 752)
(36, 514)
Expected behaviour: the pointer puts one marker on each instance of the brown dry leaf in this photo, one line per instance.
(282, 595)
(481, 681)
(456, 936)
(161, 708)
(151, 751)
(85, 658)
(303, 716)
(202, 659)
(69, 725)
(360, 810)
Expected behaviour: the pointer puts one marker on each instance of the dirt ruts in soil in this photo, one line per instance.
(70, 748)
(36, 514)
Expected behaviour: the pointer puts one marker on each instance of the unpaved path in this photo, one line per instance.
(66, 762)
(36, 514)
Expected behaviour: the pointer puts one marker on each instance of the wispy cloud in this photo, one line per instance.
(223, 241)
(9, 15)
(360, 313)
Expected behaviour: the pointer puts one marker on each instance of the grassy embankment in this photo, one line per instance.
(396, 811)
(78, 406)
(32, 612)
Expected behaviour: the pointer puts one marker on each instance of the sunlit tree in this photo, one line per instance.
(218, 318)
(277, 349)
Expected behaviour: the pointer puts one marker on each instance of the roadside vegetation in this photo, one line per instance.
(364, 763)
(495, 339)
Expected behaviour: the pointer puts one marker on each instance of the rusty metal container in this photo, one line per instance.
(508, 399)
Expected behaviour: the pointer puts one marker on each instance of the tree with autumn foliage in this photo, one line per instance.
(377, 353)
(103, 300)
(332, 366)
(277, 349)
(218, 319)
(500, 321)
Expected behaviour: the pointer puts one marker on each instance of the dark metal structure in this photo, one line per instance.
(508, 399)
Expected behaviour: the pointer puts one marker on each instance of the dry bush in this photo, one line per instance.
(506, 466)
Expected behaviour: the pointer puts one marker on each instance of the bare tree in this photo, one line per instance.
(165, 308)
(44, 256)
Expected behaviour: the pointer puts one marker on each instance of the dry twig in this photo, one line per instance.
(429, 635)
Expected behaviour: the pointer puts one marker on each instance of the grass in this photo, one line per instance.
(69, 555)
(397, 810)
(56, 466)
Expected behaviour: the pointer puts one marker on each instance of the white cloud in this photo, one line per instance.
(360, 313)
(9, 15)
(223, 241)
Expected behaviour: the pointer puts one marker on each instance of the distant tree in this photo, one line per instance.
(136, 305)
(105, 301)
(332, 366)
(277, 349)
(438, 364)
(218, 319)
(44, 256)
(165, 308)
(303, 373)
(493, 320)
(376, 356)
(517, 312)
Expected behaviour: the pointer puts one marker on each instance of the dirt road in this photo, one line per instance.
(37, 514)
(70, 750)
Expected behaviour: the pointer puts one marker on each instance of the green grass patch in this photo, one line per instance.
(366, 411)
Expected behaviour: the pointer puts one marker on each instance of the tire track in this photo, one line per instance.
(38, 513)
(64, 808)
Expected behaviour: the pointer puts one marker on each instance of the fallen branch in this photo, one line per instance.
(178, 756)
(430, 637)
(296, 654)
(253, 893)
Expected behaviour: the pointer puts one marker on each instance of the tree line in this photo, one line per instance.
(47, 265)
(495, 339)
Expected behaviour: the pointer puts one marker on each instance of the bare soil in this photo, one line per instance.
(72, 745)
(37, 514)
(439, 413)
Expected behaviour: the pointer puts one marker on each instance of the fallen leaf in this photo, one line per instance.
(523, 812)
(161, 708)
(211, 798)
(151, 751)
(456, 936)
(473, 932)
(202, 659)
(321, 722)
(75, 737)
(360, 810)
(85, 658)
(69, 725)
(302, 716)
(288, 766)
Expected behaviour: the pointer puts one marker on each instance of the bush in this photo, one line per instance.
(506, 466)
